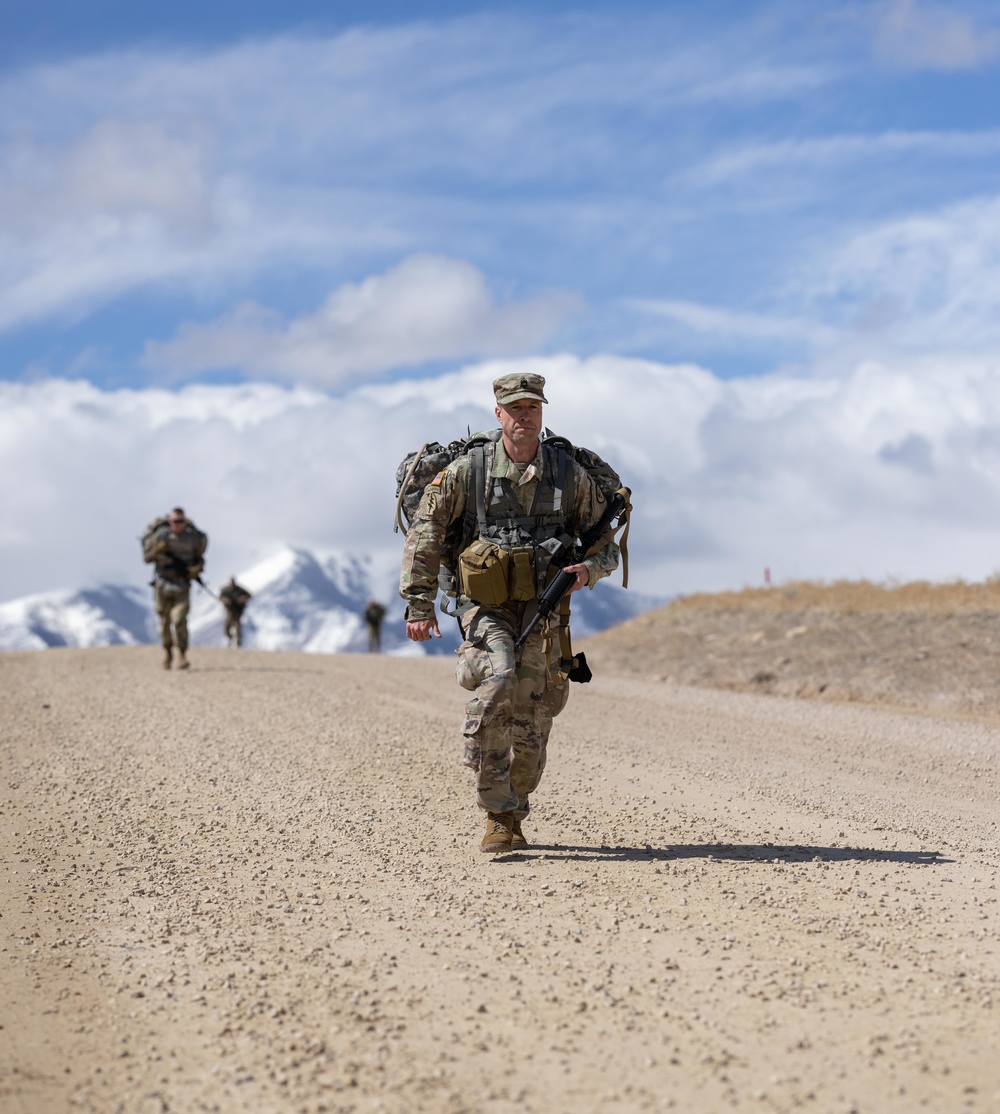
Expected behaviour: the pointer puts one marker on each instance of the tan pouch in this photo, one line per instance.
(482, 573)
(522, 574)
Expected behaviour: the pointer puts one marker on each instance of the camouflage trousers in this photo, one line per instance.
(508, 719)
(172, 602)
(234, 628)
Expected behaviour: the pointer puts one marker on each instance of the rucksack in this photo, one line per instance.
(606, 478)
(149, 534)
(417, 469)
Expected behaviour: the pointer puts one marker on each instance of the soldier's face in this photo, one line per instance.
(521, 421)
(177, 524)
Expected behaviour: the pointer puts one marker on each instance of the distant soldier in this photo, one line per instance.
(234, 599)
(374, 614)
(176, 547)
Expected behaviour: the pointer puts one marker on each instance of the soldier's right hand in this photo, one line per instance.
(422, 630)
(159, 549)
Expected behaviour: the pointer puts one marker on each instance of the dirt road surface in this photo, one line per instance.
(256, 887)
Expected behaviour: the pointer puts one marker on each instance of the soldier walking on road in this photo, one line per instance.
(176, 547)
(374, 614)
(518, 500)
(234, 599)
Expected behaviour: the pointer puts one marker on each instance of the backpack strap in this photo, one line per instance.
(560, 480)
(626, 518)
(622, 524)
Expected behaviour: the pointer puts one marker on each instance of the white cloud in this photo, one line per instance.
(923, 283)
(183, 170)
(916, 35)
(927, 281)
(115, 167)
(889, 469)
(425, 308)
(760, 163)
(126, 201)
(733, 327)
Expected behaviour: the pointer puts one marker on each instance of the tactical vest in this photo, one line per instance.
(497, 515)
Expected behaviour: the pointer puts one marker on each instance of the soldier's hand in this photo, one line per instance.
(194, 571)
(582, 576)
(423, 630)
(159, 549)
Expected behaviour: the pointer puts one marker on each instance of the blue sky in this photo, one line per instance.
(340, 198)
(700, 184)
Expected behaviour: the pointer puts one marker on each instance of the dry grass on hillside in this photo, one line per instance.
(933, 647)
(849, 596)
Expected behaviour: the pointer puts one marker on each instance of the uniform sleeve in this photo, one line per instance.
(442, 504)
(589, 505)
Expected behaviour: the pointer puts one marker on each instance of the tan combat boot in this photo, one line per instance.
(182, 662)
(517, 840)
(167, 657)
(498, 832)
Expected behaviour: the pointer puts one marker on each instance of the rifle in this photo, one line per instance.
(181, 568)
(563, 580)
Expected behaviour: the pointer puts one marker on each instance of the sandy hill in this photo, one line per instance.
(255, 887)
(932, 647)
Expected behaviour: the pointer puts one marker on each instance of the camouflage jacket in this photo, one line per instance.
(444, 504)
(174, 555)
(234, 598)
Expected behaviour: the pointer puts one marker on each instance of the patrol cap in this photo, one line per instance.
(519, 384)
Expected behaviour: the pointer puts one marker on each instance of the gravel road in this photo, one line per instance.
(256, 887)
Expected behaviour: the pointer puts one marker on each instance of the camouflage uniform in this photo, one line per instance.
(374, 614)
(516, 695)
(177, 559)
(234, 599)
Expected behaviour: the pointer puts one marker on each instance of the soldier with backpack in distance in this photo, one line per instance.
(505, 515)
(176, 548)
(374, 614)
(234, 599)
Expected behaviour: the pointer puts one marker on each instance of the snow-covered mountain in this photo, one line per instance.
(105, 615)
(300, 602)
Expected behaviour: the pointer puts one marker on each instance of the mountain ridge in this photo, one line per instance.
(301, 601)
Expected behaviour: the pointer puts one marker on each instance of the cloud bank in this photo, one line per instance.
(889, 470)
(324, 211)
(425, 308)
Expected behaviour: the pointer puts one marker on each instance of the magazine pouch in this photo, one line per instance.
(522, 574)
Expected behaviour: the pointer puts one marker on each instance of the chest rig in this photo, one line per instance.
(500, 518)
